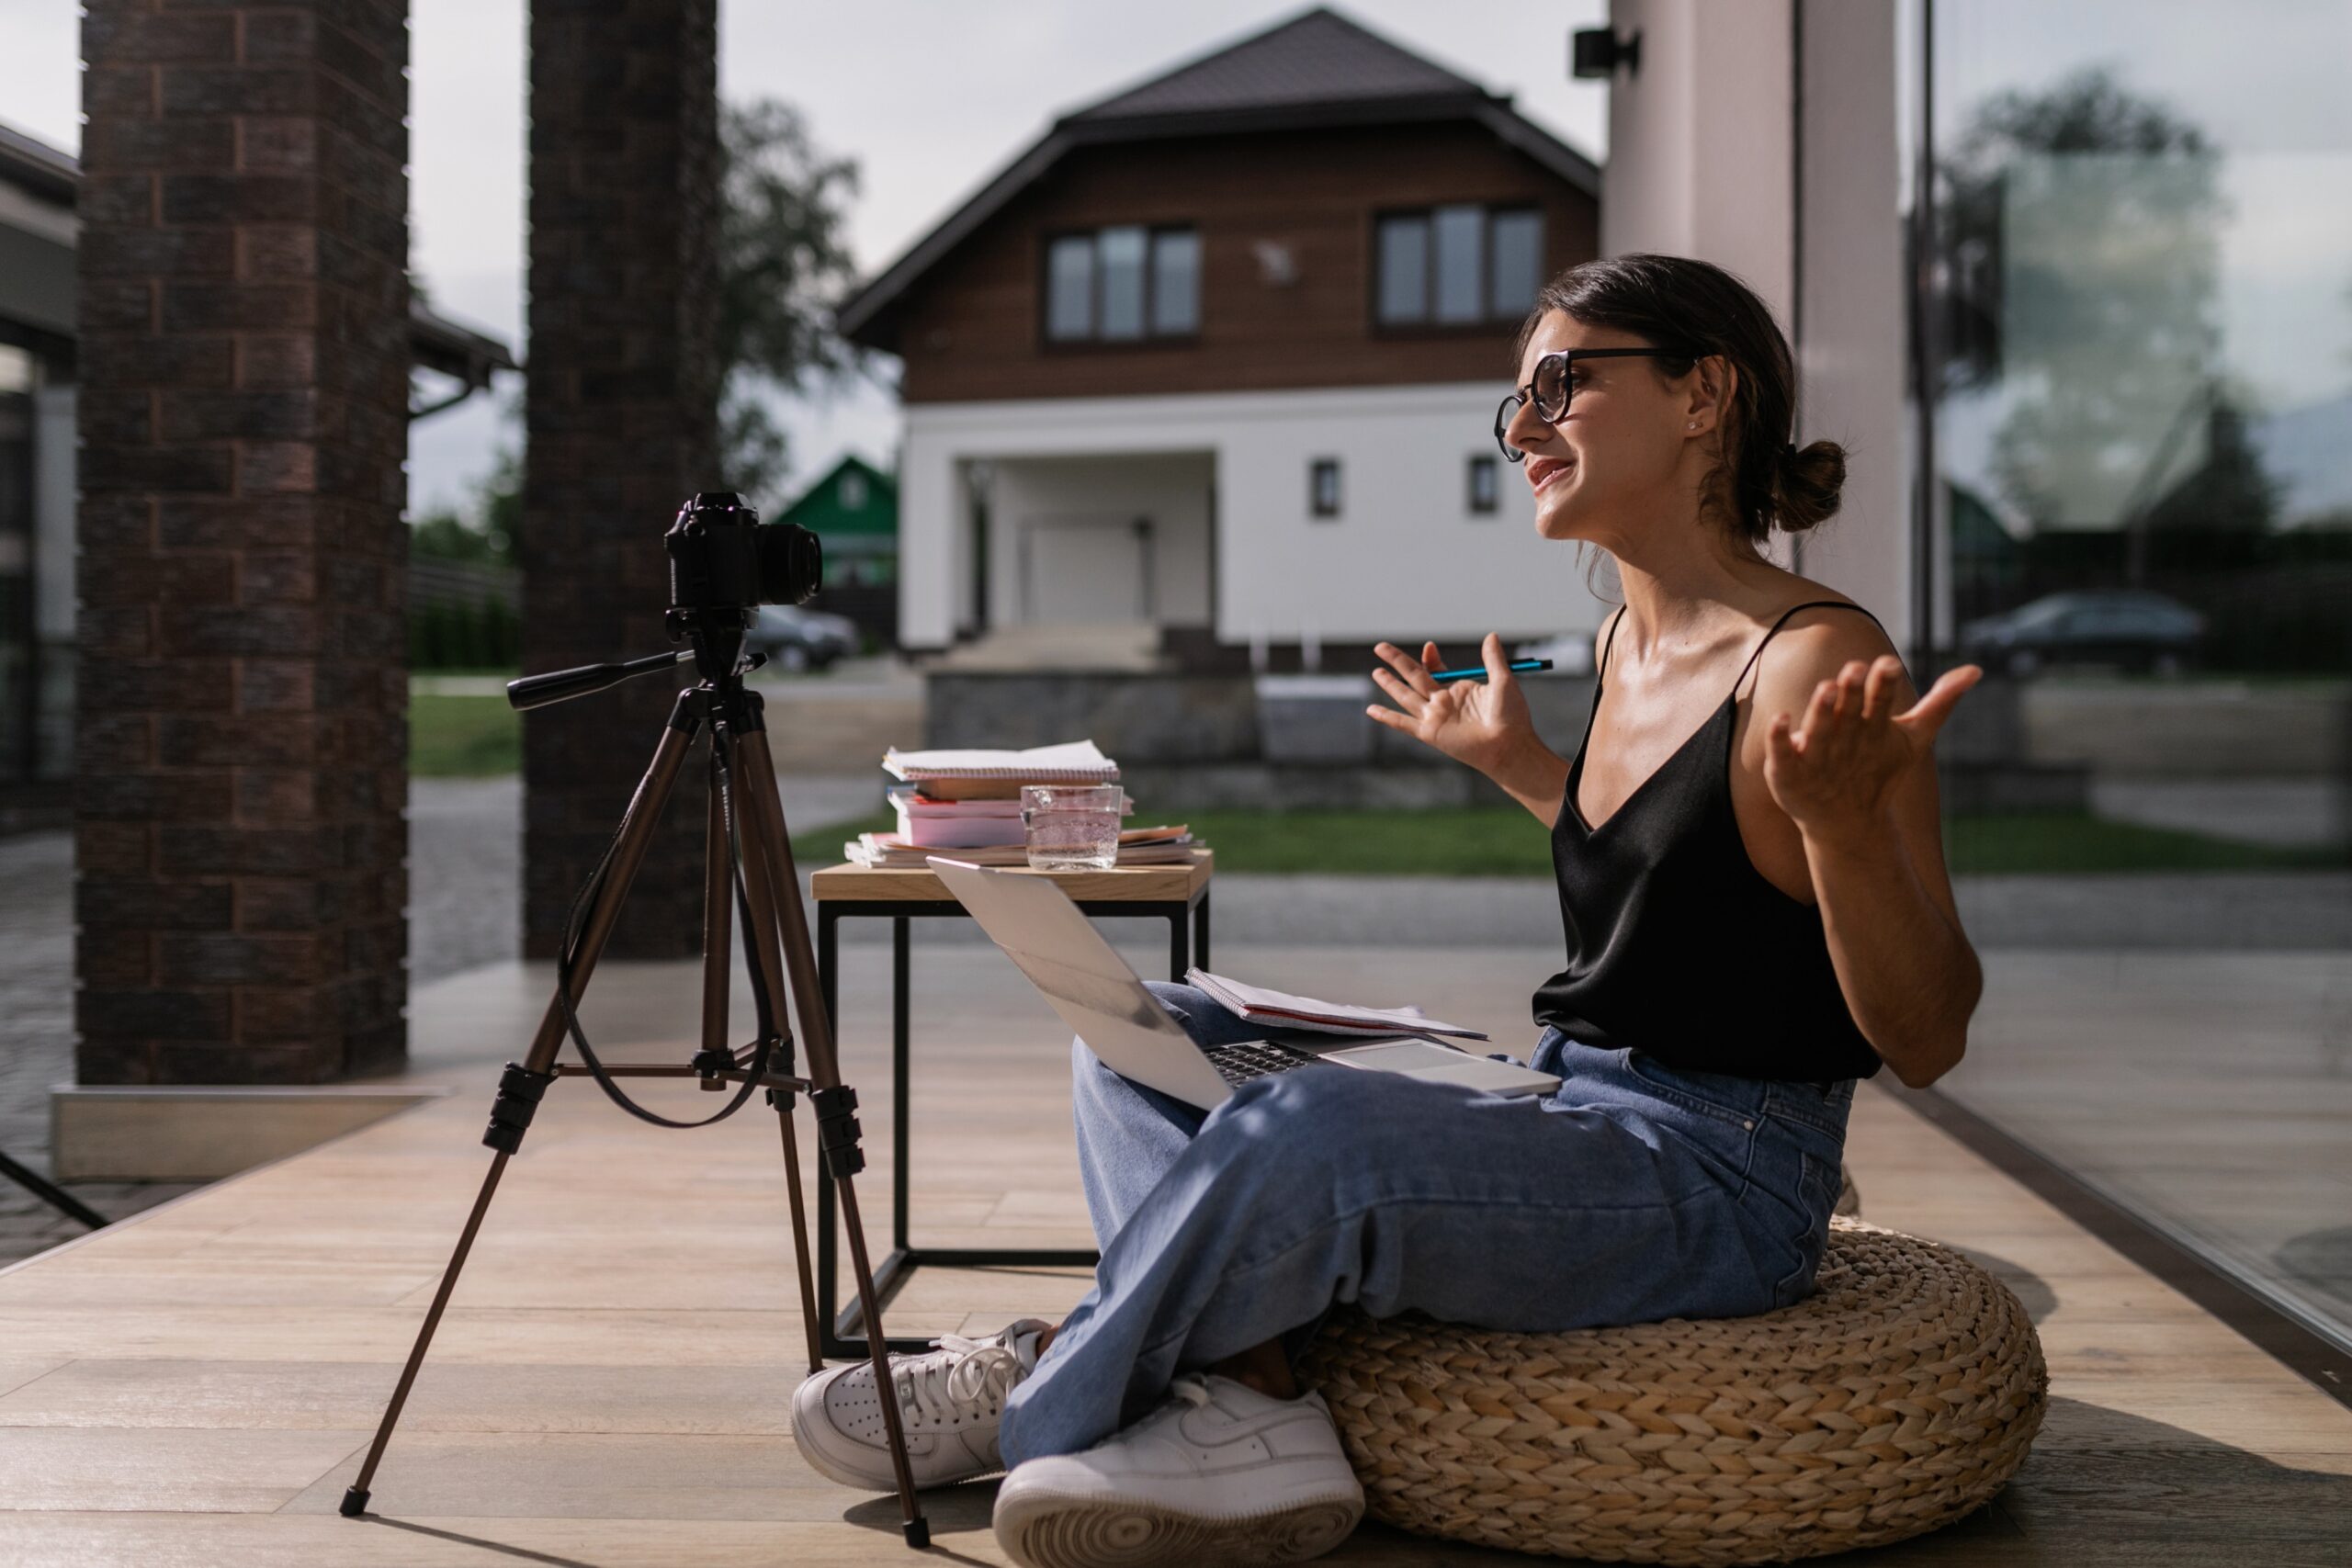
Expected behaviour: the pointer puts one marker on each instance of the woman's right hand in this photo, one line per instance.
(1479, 723)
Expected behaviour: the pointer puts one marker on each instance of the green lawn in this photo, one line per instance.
(1507, 842)
(462, 738)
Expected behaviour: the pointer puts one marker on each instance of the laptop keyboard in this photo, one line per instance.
(1255, 1059)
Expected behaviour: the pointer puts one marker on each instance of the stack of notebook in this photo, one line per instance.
(937, 824)
(967, 803)
(1168, 845)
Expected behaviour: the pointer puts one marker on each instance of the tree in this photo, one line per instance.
(782, 261)
(489, 534)
(2080, 230)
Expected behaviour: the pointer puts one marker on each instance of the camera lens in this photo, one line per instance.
(792, 563)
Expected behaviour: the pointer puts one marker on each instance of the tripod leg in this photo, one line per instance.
(717, 917)
(763, 812)
(628, 852)
(48, 1192)
(800, 1237)
(758, 906)
(355, 1501)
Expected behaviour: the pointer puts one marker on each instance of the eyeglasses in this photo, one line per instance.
(1555, 384)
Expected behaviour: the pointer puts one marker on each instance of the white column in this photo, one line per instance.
(932, 569)
(1700, 141)
(1702, 145)
(1705, 143)
(1852, 347)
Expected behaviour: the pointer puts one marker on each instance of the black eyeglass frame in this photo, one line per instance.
(1513, 402)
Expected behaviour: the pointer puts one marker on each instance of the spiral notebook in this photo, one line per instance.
(980, 773)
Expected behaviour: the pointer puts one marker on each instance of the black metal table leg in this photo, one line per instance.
(829, 987)
(842, 1331)
(901, 986)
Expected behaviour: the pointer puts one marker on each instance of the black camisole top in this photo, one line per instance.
(1678, 946)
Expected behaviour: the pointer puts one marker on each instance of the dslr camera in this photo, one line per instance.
(723, 558)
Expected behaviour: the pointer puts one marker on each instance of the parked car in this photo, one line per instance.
(797, 638)
(1570, 655)
(2128, 626)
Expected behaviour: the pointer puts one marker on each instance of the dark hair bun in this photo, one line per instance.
(1805, 487)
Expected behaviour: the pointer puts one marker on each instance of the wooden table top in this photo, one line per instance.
(1126, 884)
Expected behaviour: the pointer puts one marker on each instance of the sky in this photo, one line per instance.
(930, 98)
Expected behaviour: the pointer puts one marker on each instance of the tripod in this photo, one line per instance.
(748, 865)
(48, 1192)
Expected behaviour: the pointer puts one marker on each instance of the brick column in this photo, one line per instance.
(242, 752)
(622, 415)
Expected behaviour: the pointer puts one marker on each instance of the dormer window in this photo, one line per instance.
(1460, 265)
(1123, 285)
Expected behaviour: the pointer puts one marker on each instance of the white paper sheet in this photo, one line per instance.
(1260, 1005)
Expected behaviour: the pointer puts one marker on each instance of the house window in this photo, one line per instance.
(1122, 284)
(1484, 480)
(1404, 268)
(1457, 266)
(852, 491)
(1323, 487)
(1070, 288)
(1119, 252)
(1457, 238)
(1176, 283)
(1514, 262)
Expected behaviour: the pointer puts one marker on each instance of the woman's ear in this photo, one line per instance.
(1714, 386)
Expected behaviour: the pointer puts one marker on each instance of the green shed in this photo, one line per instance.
(854, 510)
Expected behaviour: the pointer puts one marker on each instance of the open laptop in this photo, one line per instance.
(1114, 1012)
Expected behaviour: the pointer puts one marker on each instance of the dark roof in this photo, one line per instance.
(1317, 57)
(1319, 68)
(435, 342)
(30, 161)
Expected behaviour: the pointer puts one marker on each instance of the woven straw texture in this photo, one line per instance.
(1895, 1399)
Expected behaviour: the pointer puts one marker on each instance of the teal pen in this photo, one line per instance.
(1478, 671)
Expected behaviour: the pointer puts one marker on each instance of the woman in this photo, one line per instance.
(1756, 916)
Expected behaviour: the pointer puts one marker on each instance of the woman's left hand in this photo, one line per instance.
(1840, 768)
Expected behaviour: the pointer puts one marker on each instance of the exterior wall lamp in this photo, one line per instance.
(1597, 53)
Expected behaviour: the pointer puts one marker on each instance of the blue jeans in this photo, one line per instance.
(1633, 1193)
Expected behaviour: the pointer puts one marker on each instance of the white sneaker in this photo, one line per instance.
(949, 1400)
(1221, 1473)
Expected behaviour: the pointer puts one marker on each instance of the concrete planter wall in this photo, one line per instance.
(2190, 728)
(1142, 719)
(1275, 741)
(1137, 718)
(1315, 719)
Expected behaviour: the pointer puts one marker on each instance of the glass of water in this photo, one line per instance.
(1072, 827)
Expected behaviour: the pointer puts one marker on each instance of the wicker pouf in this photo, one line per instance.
(1895, 1399)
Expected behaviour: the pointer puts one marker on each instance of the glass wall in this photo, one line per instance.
(2132, 231)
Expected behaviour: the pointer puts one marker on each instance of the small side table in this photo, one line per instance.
(1179, 893)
